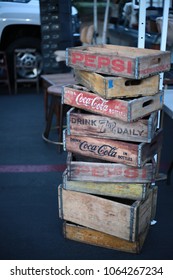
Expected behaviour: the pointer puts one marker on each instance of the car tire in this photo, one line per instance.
(24, 43)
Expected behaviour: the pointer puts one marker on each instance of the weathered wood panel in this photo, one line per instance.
(133, 154)
(145, 212)
(125, 110)
(128, 62)
(123, 190)
(110, 87)
(97, 238)
(81, 170)
(121, 217)
(83, 123)
(91, 211)
(154, 203)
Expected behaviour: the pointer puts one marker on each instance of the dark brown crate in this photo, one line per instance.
(97, 238)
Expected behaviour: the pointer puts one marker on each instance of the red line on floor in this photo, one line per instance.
(31, 168)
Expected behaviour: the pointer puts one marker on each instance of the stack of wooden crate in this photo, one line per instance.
(108, 196)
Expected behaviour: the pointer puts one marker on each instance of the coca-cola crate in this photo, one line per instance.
(133, 154)
(126, 110)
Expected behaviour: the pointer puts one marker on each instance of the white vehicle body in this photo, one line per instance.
(20, 27)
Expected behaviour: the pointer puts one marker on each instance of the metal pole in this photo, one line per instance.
(164, 32)
(95, 22)
(142, 24)
(105, 22)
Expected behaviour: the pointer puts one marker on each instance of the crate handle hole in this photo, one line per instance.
(132, 82)
(155, 61)
(147, 103)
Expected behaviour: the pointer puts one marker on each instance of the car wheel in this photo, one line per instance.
(25, 59)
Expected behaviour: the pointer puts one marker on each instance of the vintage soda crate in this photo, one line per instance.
(126, 110)
(124, 190)
(106, 172)
(110, 87)
(133, 154)
(79, 122)
(128, 62)
(97, 238)
(126, 219)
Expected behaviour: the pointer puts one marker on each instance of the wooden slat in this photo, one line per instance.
(82, 123)
(128, 62)
(81, 170)
(125, 110)
(113, 151)
(110, 87)
(126, 219)
(99, 213)
(146, 105)
(97, 238)
(154, 203)
(145, 212)
(122, 190)
(153, 148)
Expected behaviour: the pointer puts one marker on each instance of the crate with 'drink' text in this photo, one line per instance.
(80, 122)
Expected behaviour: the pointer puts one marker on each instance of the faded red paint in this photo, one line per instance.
(31, 168)
(89, 101)
(106, 63)
(158, 68)
(113, 172)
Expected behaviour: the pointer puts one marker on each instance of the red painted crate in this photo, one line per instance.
(80, 168)
(128, 62)
(133, 154)
(126, 110)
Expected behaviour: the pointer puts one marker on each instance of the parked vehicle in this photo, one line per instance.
(20, 28)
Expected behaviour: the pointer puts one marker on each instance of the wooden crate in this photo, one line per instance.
(126, 219)
(79, 122)
(97, 238)
(132, 154)
(110, 87)
(106, 172)
(128, 62)
(123, 190)
(126, 110)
